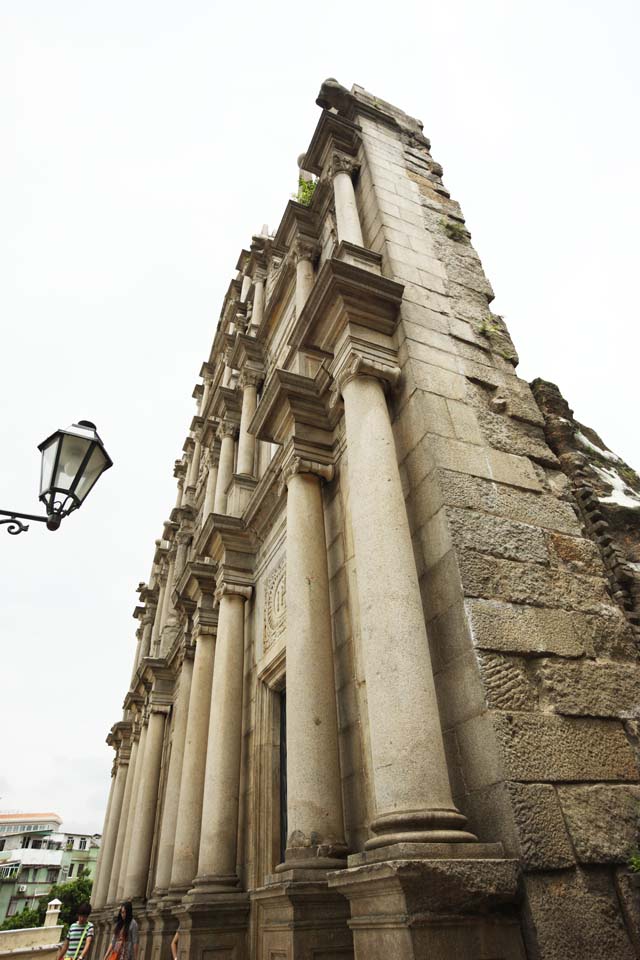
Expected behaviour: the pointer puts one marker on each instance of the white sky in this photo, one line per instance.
(143, 144)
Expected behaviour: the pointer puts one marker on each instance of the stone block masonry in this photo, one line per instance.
(384, 701)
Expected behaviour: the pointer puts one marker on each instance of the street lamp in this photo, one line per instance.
(72, 461)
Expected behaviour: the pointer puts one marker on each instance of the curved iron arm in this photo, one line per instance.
(14, 521)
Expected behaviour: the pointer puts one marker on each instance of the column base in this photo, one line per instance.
(164, 924)
(301, 920)
(209, 885)
(419, 826)
(320, 857)
(103, 920)
(415, 908)
(145, 927)
(214, 927)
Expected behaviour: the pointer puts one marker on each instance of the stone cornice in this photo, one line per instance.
(248, 353)
(297, 221)
(227, 405)
(333, 132)
(345, 294)
(243, 261)
(295, 409)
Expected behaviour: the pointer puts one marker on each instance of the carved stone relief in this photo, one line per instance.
(275, 605)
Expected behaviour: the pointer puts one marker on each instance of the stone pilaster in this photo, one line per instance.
(314, 797)
(249, 381)
(226, 432)
(113, 817)
(218, 838)
(172, 791)
(131, 814)
(201, 586)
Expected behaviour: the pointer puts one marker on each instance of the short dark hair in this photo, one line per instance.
(84, 909)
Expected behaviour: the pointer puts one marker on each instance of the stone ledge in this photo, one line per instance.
(468, 886)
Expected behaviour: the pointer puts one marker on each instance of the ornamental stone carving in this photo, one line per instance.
(275, 606)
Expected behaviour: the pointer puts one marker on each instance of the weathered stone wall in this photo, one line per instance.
(536, 665)
(364, 461)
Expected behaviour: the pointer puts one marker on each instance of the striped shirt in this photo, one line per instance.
(74, 936)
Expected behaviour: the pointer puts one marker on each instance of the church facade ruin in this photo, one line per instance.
(384, 701)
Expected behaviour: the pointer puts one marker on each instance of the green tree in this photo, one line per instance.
(27, 918)
(71, 895)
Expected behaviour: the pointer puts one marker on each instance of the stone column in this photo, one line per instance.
(184, 537)
(411, 782)
(136, 659)
(210, 492)
(246, 286)
(226, 432)
(147, 799)
(194, 469)
(314, 794)
(180, 493)
(189, 815)
(258, 302)
(247, 442)
(110, 834)
(219, 835)
(304, 251)
(168, 588)
(148, 618)
(157, 621)
(131, 813)
(347, 218)
(105, 830)
(172, 790)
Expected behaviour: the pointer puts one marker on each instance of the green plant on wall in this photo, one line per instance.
(454, 230)
(634, 863)
(306, 190)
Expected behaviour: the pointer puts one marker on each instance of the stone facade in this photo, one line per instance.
(384, 702)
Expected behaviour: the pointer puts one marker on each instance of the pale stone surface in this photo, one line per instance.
(554, 748)
(592, 688)
(575, 916)
(538, 509)
(603, 821)
(541, 830)
(112, 889)
(451, 641)
(314, 803)
(218, 837)
(500, 538)
(530, 583)
(408, 755)
(142, 834)
(515, 628)
(174, 776)
(187, 836)
(108, 847)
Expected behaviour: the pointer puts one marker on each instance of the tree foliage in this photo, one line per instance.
(27, 918)
(71, 894)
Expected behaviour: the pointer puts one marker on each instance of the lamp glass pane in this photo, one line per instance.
(95, 466)
(48, 463)
(71, 456)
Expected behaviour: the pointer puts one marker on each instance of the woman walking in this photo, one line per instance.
(124, 942)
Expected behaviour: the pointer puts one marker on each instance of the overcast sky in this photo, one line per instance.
(143, 144)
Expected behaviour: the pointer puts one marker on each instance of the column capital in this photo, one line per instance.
(304, 248)
(352, 365)
(250, 377)
(333, 134)
(297, 465)
(339, 162)
(226, 428)
(231, 588)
